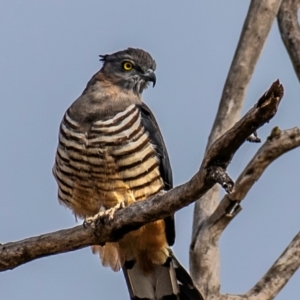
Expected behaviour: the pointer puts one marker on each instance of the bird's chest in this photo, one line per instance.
(116, 162)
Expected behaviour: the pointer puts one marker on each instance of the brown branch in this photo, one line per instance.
(290, 31)
(17, 253)
(158, 207)
(257, 25)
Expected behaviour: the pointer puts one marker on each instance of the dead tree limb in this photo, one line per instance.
(256, 28)
(276, 277)
(257, 25)
(212, 170)
(290, 31)
(278, 143)
(279, 274)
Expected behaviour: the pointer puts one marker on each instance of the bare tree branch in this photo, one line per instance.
(276, 277)
(290, 31)
(259, 20)
(212, 170)
(17, 253)
(279, 274)
(278, 143)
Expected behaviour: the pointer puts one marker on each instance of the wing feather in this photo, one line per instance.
(155, 136)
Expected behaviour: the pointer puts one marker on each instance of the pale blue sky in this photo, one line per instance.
(49, 50)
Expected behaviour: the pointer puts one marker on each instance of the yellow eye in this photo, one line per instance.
(127, 66)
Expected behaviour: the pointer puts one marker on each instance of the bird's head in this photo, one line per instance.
(130, 69)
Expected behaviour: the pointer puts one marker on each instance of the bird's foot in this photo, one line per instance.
(102, 217)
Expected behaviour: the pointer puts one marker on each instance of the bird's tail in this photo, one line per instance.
(167, 282)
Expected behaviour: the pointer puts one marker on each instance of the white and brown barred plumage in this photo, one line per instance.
(111, 151)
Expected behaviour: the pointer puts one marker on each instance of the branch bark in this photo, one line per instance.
(290, 31)
(212, 170)
(259, 20)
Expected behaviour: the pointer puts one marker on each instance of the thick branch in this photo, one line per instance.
(259, 20)
(158, 207)
(290, 31)
(17, 253)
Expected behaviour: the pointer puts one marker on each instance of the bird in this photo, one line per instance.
(110, 154)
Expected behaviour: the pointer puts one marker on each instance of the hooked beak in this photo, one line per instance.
(149, 76)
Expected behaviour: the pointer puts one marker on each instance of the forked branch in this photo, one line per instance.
(259, 20)
(278, 143)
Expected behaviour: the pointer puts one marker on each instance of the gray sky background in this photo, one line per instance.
(48, 52)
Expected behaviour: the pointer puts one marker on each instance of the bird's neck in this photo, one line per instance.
(111, 85)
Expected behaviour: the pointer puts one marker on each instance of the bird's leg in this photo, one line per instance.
(104, 216)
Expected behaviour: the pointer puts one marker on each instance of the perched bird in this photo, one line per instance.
(111, 152)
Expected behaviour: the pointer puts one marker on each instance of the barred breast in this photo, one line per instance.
(106, 162)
